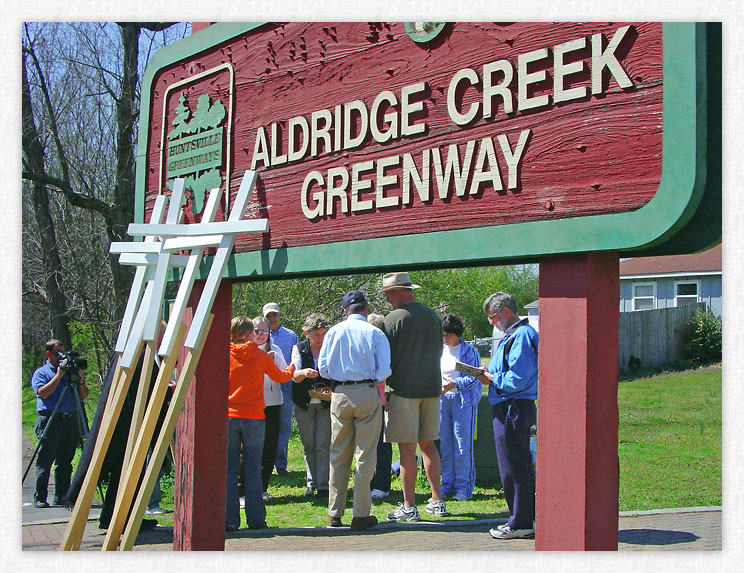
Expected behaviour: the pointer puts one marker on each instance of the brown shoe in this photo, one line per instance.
(363, 522)
(334, 521)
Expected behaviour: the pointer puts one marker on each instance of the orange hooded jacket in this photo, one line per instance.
(248, 364)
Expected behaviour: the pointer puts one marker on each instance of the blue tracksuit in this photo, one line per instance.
(457, 427)
(512, 395)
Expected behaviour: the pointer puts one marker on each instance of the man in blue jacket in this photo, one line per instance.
(512, 391)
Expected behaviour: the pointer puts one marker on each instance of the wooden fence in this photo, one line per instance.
(653, 336)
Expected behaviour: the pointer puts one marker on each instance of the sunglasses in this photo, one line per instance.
(261, 331)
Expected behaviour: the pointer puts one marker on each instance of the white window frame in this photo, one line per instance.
(634, 297)
(686, 281)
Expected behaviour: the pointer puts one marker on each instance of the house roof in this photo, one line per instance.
(707, 262)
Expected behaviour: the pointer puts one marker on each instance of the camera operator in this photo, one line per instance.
(63, 436)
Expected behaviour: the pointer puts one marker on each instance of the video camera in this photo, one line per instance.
(74, 363)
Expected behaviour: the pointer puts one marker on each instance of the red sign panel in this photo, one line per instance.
(358, 131)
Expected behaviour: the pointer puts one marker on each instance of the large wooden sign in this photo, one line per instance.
(429, 144)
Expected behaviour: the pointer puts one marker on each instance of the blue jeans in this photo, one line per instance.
(285, 427)
(250, 435)
(456, 430)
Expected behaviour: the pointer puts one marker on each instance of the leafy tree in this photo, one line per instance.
(181, 121)
(457, 291)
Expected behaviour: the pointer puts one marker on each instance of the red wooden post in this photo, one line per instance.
(577, 459)
(197, 26)
(201, 437)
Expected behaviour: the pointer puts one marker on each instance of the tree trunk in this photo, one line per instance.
(126, 116)
(55, 295)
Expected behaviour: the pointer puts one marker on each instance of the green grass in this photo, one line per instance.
(670, 440)
(670, 443)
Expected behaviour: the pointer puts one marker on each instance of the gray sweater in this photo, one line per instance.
(415, 334)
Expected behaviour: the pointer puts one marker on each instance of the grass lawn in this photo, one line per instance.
(670, 442)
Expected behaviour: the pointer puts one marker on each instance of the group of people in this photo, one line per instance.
(390, 379)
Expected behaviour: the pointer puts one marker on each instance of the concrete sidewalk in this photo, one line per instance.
(669, 529)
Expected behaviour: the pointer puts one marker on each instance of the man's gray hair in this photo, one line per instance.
(500, 300)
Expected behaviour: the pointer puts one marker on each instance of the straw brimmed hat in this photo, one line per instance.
(397, 280)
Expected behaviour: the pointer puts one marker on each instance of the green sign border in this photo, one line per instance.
(691, 144)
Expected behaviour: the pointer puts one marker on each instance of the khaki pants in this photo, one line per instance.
(356, 415)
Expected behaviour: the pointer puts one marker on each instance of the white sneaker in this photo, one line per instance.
(379, 494)
(157, 510)
(506, 532)
(437, 508)
(404, 514)
(267, 496)
(242, 503)
(460, 497)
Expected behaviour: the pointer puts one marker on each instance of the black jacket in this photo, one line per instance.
(300, 390)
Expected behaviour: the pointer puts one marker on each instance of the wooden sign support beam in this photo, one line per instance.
(577, 416)
(201, 442)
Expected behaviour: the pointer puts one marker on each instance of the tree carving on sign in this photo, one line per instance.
(206, 116)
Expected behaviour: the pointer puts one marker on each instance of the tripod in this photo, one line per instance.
(79, 417)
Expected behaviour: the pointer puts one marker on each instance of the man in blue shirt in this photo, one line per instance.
(284, 339)
(62, 437)
(355, 356)
(512, 391)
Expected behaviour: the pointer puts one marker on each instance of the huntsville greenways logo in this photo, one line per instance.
(195, 147)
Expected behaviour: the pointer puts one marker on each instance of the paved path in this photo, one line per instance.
(677, 529)
(685, 529)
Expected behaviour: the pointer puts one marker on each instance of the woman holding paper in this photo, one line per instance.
(460, 396)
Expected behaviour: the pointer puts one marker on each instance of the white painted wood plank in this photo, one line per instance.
(218, 264)
(160, 279)
(131, 350)
(220, 227)
(120, 247)
(183, 243)
(187, 280)
(138, 284)
(151, 259)
(174, 209)
(241, 199)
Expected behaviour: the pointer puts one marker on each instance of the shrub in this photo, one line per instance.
(703, 340)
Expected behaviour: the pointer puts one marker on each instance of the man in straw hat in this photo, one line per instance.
(412, 411)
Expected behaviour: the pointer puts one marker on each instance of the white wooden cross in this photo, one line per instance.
(154, 257)
(177, 237)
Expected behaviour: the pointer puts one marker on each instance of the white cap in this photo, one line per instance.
(270, 307)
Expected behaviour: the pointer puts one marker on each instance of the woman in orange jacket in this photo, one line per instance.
(245, 422)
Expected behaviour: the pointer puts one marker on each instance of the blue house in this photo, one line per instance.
(661, 282)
